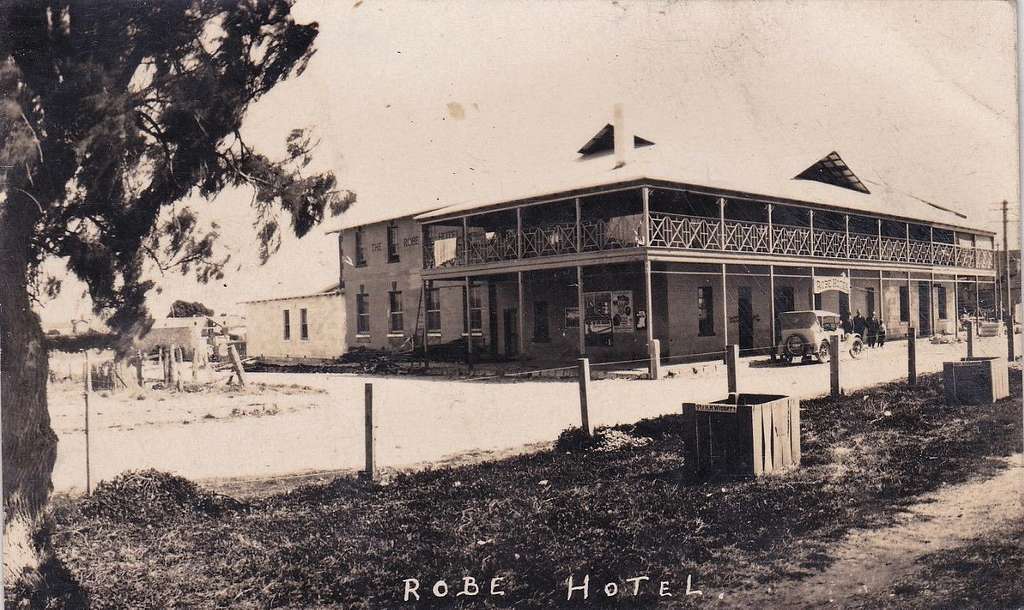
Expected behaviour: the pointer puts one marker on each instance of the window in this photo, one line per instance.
(303, 325)
(360, 250)
(434, 310)
(904, 304)
(475, 309)
(940, 297)
(541, 330)
(287, 325)
(392, 242)
(395, 322)
(705, 311)
(817, 300)
(362, 314)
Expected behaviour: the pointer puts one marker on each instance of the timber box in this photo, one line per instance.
(743, 435)
(975, 381)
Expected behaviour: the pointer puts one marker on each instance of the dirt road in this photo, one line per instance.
(280, 430)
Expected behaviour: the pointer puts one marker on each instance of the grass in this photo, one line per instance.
(536, 520)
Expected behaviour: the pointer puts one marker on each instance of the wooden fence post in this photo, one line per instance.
(178, 361)
(138, 369)
(655, 364)
(970, 339)
(368, 473)
(160, 361)
(236, 364)
(1010, 355)
(732, 355)
(583, 374)
(87, 380)
(833, 366)
(912, 356)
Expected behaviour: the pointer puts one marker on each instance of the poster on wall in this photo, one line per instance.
(598, 318)
(622, 311)
(572, 317)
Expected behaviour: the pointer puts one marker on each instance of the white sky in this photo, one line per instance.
(922, 94)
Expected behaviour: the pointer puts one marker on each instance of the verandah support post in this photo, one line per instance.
(956, 307)
(583, 373)
(469, 324)
(912, 356)
(521, 315)
(581, 331)
(725, 312)
(881, 298)
(732, 356)
(833, 365)
(655, 371)
(426, 317)
(368, 472)
(771, 302)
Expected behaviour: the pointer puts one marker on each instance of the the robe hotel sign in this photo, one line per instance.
(840, 283)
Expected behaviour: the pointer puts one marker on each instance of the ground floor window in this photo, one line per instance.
(303, 325)
(395, 322)
(904, 304)
(705, 311)
(362, 314)
(541, 329)
(433, 310)
(940, 298)
(287, 325)
(475, 309)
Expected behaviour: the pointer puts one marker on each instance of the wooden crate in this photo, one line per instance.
(975, 381)
(743, 435)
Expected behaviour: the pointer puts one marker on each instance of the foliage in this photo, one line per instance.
(186, 309)
(115, 112)
(78, 343)
(537, 519)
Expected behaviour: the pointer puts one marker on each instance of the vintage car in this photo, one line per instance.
(806, 335)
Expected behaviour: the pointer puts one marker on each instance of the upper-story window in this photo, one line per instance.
(393, 242)
(360, 248)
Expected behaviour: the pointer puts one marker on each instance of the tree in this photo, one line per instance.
(112, 114)
(186, 309)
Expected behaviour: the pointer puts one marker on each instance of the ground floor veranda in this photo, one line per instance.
(612, 312)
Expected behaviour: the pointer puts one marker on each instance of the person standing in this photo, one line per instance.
(871, 326)
(858, 324)
(881, 332)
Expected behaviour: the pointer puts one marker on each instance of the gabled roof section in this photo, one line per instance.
(831, 169)
(604, 141)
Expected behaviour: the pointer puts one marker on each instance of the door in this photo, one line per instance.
(784, 301)
(746, 318)
(511, 319)
(924, 309)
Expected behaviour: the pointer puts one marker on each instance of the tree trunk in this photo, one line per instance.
(29, 445)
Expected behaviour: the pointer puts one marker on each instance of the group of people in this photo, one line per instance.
(871, 329)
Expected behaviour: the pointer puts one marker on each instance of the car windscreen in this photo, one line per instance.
(798, 320)
(829, 323)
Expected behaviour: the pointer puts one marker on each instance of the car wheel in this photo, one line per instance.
(824, 352)
(857, 348)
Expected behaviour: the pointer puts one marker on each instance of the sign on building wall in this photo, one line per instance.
(597, 307)
(622, 311)
(607, 313)
(840, 283)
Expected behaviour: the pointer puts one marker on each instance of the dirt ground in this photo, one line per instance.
(298, 424)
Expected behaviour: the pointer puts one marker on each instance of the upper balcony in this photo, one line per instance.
(680, 221)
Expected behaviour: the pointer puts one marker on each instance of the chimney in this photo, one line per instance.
(623, 137)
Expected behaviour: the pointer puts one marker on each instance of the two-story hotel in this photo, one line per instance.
(634, 243)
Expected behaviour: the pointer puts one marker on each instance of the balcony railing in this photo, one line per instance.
(680, 232)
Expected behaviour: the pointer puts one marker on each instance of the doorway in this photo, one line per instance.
(924, 309)
(492, 318)
(511, 319)
(745, 310)
(784, 301)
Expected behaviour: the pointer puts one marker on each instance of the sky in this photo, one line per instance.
(419, 104)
